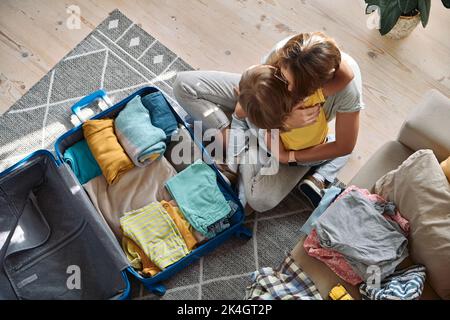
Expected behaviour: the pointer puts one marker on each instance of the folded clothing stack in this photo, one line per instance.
(80, 159)
(142, 141)
(106, 149)
(160, 113)
(135, 189)
(152, 229)
(156, 236)
(199, 198)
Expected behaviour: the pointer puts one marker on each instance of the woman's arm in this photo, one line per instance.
(347, 127)
(340, 80)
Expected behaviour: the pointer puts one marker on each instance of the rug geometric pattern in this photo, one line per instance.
(118, 56)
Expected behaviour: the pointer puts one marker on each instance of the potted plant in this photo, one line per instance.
(398, 18)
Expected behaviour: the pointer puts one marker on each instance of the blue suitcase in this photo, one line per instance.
(53, 243)
(153, 284)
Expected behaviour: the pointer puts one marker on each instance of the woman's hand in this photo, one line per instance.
(302, 117)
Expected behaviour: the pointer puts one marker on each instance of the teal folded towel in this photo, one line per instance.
(82, 162)
(198, 196)
(142, 141)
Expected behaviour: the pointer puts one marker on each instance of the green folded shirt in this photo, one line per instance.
(198, 196)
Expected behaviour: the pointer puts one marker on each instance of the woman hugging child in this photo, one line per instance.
(301, 74)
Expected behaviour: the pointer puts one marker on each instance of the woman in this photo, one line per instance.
(210, 96)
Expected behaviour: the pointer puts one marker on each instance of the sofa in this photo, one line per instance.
(427, 127)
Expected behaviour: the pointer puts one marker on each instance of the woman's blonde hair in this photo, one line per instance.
(312, 58)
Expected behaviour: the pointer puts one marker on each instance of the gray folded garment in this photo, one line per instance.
(355, 227)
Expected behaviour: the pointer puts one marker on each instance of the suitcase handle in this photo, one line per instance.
(84, 102)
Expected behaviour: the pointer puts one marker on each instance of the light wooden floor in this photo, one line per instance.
(230, 35)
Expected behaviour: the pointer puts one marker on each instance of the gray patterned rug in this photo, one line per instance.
(120, 57)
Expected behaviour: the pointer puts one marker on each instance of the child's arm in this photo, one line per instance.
(236, 142)
(340, 80)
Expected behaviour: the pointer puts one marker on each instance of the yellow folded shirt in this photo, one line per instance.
(152, 229)
(138, 259)
(106, 149)
(183, 226)
(309, 136)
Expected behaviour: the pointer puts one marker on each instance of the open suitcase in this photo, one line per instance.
(43, 203)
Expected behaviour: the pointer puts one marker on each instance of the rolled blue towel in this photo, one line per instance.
(160, 112)
(80, 159)
(142, 141)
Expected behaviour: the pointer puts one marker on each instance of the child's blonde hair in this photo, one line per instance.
(264, 97)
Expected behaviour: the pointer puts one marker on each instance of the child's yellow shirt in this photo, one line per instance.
(309, 136)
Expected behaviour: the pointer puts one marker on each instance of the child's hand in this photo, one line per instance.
(301, 117)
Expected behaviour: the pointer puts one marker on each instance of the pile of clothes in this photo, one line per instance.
(157, 214)
(287, 282)
(358, 235)
(362, 238)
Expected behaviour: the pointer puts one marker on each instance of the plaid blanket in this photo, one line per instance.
(406, 284)
(287, 282)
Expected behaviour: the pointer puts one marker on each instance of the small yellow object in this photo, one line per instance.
(445, 165)
(339, 293)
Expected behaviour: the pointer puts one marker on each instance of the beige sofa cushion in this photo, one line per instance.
(422, 193)
(427, 127)
(387, 158)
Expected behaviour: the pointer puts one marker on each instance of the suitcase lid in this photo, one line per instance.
(38, 196)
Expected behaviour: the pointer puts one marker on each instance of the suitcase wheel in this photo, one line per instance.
(157, 289)
(244, 233)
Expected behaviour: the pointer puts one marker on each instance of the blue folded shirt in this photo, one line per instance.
(80, 159)
(160, 113)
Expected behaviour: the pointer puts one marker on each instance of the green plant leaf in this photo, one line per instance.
(389, 12)
(424, 8)
(373, 2)
(446, 3)
(406, 6)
